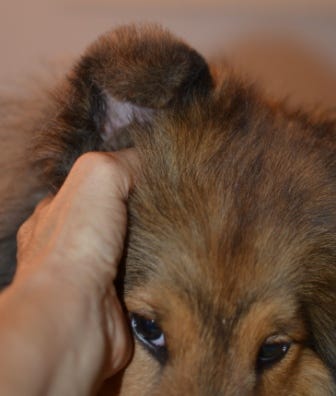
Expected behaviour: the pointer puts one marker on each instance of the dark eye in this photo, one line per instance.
(272, 351)
(150, 335)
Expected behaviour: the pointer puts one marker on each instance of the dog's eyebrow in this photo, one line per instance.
(220, 315)
(226, 316)
(217, 320)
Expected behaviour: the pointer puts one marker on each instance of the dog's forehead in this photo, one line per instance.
(229, 197)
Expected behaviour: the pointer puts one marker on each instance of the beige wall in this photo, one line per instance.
(265, 36)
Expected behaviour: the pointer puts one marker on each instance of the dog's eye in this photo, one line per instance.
(272, 351)
(150, 335)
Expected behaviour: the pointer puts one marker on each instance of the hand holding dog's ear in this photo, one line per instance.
(86, 220)
(68, 253)
(126, 76)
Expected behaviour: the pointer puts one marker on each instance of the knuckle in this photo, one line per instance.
(87, 160)
(97, 164)
(43, 204)
(23, 229)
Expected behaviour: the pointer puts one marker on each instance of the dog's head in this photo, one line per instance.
(230, 267)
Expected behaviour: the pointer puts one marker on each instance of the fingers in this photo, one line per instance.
(26, 230)
(110, 173)
(25, 226)
(119, 337)
(28, 225)
(129, 161)
(42, 204)
(87, 217)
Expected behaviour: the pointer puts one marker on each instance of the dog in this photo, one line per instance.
(230, 265)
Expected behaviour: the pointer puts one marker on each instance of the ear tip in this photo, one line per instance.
(147, 65)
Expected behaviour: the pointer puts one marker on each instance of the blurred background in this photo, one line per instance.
(287, 45)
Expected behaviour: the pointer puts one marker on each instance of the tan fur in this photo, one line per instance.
(232, 236)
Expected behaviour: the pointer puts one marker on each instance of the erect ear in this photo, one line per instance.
(127, 75)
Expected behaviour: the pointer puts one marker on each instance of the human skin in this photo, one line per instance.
(62, 328)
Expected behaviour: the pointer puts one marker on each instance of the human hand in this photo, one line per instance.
(68, 253)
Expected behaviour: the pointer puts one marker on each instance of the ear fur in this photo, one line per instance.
(128, 74)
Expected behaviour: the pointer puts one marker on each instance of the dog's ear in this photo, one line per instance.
(127, 75)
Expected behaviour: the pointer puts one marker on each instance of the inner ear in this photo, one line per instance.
(118, 116)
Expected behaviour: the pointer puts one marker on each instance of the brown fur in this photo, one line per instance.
(232, 233)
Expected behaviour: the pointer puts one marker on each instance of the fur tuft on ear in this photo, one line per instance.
(127, 75)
